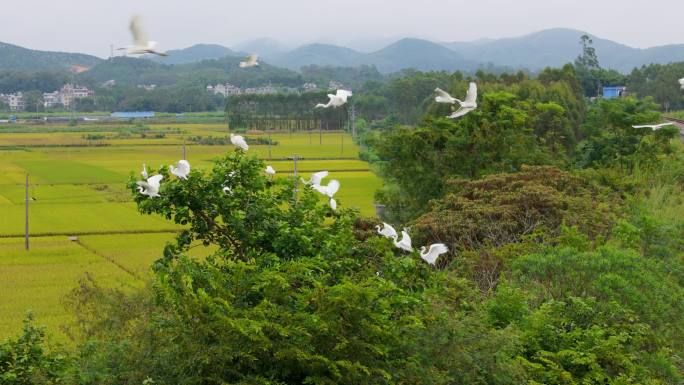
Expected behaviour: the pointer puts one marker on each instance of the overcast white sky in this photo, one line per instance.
(90, 26)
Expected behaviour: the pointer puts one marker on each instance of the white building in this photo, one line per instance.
(14, 101)
(263, 90)
(310, 87)
(224, 89)
(66, 95)
(51, 99)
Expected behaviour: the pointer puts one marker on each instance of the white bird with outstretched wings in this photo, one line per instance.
(430, 256)
(141, 43)
(654, 127)
(467, 105)
(150, 187)
(182, 169)
(336, 100)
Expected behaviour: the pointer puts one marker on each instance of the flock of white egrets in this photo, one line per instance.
(151, 185)
(143, 45)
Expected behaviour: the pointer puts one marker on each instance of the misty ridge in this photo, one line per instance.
(532, 52)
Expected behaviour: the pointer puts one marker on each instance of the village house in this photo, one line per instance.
(14, 101)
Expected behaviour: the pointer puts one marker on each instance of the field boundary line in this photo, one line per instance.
(106, 258)
(86, 233)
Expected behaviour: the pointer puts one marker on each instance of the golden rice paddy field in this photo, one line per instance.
(77, 178)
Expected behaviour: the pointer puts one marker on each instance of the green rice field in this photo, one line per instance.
(77, 188)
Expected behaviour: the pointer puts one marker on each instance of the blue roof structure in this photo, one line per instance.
(613, 92)
(133, 114)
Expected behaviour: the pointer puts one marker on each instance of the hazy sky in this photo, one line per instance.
(90, 26)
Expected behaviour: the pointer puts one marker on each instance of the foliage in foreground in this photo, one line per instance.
(27, 360)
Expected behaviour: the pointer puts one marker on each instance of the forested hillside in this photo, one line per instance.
(563, 224)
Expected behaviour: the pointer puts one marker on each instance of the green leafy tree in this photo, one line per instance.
(27, 360)
(610, 138)
(293, 294)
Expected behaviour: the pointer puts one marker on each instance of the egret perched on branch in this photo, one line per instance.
(150, 187)
(654, 127)
(430, 256)
(144, 171)
(387, 231)
(469, 104)
(270, 170)
(336, 100)
(141, 44)
(251, 61)
(681, 82)
(405, 243)
(181, 170)
(239, 141)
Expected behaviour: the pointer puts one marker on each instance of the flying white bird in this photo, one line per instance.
(681, 82)
(181, 170)
(433, 253)
(444, 97)
(405, 243)
(251, 61)
(239, 141)
(387, 231)
(330, 190)
(150, 187)
(654, 127)
(336, 100)
(468, 105)
(316, 178)
(144, 171)
(141, 44)
(270, 170)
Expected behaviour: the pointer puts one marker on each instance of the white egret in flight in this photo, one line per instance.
(141, 44)
(654, 127)
(316, 178)
(239, 141)
(444, 97)
(181, 170)
(150, 187)
(430, 256)
(336, 100)
(469, 104)
(251, 61)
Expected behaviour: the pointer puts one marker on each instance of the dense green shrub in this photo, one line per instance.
(28, 360)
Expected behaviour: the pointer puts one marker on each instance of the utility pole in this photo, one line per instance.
(295, 158)
(269, 145)
(26, 241)
(111, 51)
(353, 121)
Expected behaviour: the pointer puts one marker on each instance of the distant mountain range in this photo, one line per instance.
(553, 47)
(13, 57)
